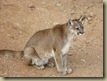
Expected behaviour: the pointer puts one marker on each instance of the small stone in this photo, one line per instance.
(89, 18)
(98, 57)
(58, 4)
(31, 7)
(12, 37)
(17, 24)
(86, 7)
(70, 54)
(69, 70)
(83, 60)
(72, 11)
(92, 14)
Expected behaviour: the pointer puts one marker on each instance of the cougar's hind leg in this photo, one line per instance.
(29, 55)
(32, 58)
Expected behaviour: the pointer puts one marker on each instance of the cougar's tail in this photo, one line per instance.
(11, 53)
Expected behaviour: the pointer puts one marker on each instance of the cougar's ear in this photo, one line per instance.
(70, 22)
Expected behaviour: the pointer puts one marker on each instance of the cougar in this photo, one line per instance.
(53, 43)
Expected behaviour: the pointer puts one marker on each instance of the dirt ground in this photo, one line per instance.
(20, 19)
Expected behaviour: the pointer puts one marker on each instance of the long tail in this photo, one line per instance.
(11, 53)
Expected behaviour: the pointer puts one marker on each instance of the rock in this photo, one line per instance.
(12, 37)
(86, 7)
(58, 4)
(70, 54)
(89, 18)
(91, 14)
(98, 57)
(17, 24)
(69, 70)
(83, 60)
(31, 7)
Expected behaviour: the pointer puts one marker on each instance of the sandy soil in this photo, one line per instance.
(20, 19)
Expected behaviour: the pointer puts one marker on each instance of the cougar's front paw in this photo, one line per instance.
(66, 71)
(61, 72)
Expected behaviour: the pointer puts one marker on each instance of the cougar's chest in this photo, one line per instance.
(67, 45)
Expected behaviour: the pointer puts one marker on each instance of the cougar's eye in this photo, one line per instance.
(77, 28)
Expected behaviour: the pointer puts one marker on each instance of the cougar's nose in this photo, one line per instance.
(82, 32)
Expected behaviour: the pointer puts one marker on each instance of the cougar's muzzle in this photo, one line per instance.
(80, 30)
(80, 33)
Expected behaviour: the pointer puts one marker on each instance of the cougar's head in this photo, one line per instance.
(76, 25)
